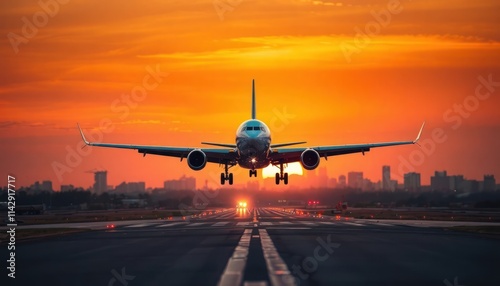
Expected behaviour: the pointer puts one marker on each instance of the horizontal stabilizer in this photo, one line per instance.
(286, 144)
(220, 144)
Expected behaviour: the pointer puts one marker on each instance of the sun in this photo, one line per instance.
(292, 169)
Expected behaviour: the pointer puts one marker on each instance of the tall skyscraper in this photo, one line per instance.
(386, 178)
(100, 181)
(412, 182)
(342, 182)
(322, 177)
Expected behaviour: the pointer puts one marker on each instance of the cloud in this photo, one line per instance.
(320, 52)
(9, 124)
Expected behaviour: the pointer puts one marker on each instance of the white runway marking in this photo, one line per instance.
(171, 224)
(233, 273)
(266, 223)
(246, 223)
(276, 267)
(327, 222)
(353, 223)
(383, 224)
(140, 225)
(197, 223)
(221, 223)
(307, 222)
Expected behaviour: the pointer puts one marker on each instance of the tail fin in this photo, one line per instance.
(253, 99)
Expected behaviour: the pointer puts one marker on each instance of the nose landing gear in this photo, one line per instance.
(253, 173)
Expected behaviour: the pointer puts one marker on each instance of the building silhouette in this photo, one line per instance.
(412, 182)
(131, 187)
(342, 183)
(355, 180)
(386, 178)
(184, 183)
(100, 182)
(457, 182)
(440, 181)
(489, 183)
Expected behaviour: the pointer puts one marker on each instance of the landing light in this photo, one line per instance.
(253, 160)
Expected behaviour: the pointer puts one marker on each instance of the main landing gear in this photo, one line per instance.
(226, 176)
(253, 173)
(281, 176)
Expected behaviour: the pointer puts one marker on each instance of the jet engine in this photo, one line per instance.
(196, 159)
(309, 159)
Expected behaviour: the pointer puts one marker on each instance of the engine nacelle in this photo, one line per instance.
(197, 159)
(309, 159)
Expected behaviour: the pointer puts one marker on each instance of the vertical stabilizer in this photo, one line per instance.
(253, 99)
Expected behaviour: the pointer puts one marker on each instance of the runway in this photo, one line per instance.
(264, 246)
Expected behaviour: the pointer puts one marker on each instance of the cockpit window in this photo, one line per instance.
(254, 128)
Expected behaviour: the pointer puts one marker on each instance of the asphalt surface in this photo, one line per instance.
(259, 247)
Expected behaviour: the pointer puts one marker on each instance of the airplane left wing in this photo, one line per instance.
(289, 155)
(213, 155)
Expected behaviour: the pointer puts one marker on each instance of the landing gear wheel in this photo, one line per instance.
(285, 179)
(230, 179)
(278, 179)
(222, 178)
(253, 173)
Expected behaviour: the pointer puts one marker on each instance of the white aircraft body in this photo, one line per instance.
(253, 150)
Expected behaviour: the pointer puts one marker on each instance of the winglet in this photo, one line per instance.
(419, 133)
(83, 136)
(253, 99)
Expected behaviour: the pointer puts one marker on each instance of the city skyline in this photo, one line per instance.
(317, 178)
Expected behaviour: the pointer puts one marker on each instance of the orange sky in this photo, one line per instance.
(74, 61)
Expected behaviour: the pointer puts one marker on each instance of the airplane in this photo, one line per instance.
(253, 150)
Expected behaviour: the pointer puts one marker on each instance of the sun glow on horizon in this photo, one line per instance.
(291, 168)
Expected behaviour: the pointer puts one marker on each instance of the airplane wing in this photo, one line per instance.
(213, 155)
(289, 155)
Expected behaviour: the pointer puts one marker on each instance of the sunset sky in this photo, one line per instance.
(327, 72)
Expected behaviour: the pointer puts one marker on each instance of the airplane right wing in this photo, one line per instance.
(289, 155)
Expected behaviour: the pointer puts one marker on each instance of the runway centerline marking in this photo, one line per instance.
(233, 273)
(278, 271)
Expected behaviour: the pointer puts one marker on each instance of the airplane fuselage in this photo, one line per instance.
(253, 142)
